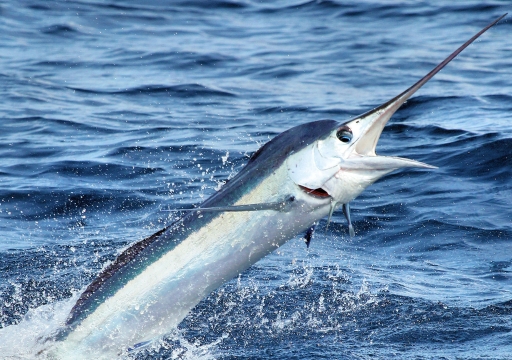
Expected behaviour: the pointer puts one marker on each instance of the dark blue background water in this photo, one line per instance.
(112, 110)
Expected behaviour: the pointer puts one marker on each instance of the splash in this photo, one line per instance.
(29, 338)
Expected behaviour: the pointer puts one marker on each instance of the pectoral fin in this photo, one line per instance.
(333, 207)
(346, 211)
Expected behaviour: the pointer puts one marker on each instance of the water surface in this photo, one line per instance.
(114, 110)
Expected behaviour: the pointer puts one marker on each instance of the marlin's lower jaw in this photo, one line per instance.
(359, 172)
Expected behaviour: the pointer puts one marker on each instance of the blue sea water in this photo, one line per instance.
(113, 110)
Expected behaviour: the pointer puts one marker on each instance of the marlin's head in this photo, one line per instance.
(343, 162)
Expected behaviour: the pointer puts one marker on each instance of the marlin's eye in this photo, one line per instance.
(344, 135)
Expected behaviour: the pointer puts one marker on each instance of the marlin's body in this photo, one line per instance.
(185, 262)
(311, 170)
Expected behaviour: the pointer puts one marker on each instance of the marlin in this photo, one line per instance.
(293, 181)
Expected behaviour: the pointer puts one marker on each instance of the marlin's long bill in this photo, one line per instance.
(289, 184)
(383, 113)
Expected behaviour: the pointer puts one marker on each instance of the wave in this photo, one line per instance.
(61, 30)
(180, 91)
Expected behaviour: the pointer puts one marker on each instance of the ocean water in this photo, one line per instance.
(111, 111)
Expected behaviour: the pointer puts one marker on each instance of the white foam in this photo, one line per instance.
(28, 338)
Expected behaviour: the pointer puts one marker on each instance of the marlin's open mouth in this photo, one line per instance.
(315, 192)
